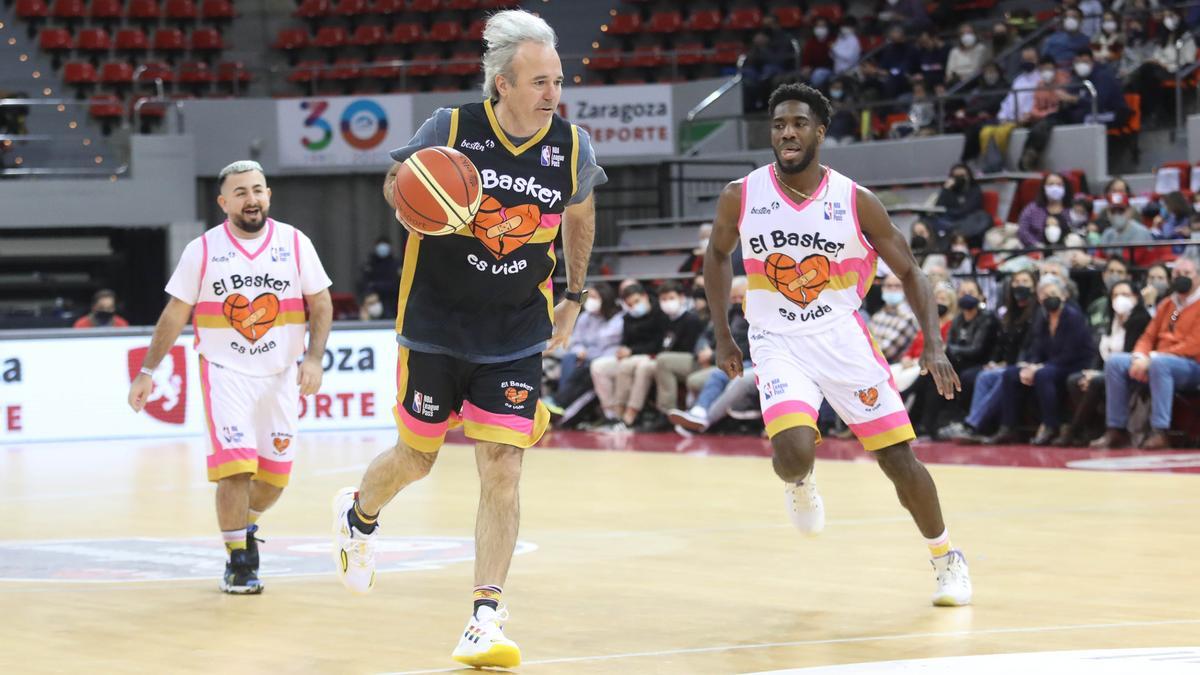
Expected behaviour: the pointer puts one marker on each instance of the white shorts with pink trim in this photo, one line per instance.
(251, 423)
(842, 364)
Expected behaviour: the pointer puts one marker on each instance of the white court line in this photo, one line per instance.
(805, 643)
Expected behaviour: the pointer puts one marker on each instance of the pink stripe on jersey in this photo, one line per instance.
(788, 408)
(882, 425)
(421, 427)
(857, 225)
(745, 201)
(473, 413)
(265, 244)
(551, 220)
(296, 248)
(226, 455)
(860, 266)
(754, 266)
(874, 350)
(779, 188)
(203, 269)
(217, 308)
(275, 466)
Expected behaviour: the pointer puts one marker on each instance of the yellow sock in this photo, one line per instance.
(939, 546)
(252, 516)
(234, 539)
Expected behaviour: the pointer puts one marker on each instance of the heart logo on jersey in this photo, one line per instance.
(868, 396)
(281, 444)
(504, 229)
(516, 396)
(251, 319)
(799, 282)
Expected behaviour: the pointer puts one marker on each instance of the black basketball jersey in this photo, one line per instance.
(484, 292)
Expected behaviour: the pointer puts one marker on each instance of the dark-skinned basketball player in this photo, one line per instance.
(476, 311)
(810, 239)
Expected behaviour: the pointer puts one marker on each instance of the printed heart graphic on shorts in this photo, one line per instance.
(281, 444)
(251, 319)
(799, 282)
(516, 396)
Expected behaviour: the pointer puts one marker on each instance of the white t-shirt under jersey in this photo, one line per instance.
(249, 295)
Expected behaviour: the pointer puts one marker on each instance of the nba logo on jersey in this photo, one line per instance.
(545, 155)
(418, 402)
(551, 156)
(834, 211)
(280, 254)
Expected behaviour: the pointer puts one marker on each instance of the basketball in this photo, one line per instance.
(437, 191)
(801, 283)
(504, 229)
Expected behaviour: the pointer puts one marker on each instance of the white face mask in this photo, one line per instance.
(1109, 26)
(671, 308)
(1047, 76)
(1083, 69)
(1077, 219)
(968, 40)
(1170, 23)
(1122, 305)
(641, 309)
(375, 310)
(1053, 233)
(592, 305)
(1055, 192)
(1071, 24)
(847, 31)
(820, 32)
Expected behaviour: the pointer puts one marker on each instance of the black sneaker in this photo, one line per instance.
(240, 578)
(252, 543)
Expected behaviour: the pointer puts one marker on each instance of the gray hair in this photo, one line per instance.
(1055, 281)
(503, 35)
(240, 166)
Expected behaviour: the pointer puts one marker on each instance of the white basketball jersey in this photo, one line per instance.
(807, 261)
(249, 316)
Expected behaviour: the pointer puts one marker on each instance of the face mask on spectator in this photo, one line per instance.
(1052, 303)
(990, 78)
(103, 317)
(892, 298)
(1028, 66)
(968, 40)
(1170, 23)
(1182, 285)
(1055, 192)
(1083, 69)
(847, 31)
(836, 94)
(1053, 233)
(1022, 293)
(1118, 220)
(1162, 287)
(1122, 305)
(592, 305)
(919, 242)
(1047, 75)
(1077, 218)
(1109, 26)
(1071, 24)
(968, 302)
(820, 32)
(943, 310)
(375, 310)
(642, 308)
(671, 308)
(1196, 207)
(1112, 279)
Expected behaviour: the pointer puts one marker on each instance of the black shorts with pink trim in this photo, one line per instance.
(495, 402)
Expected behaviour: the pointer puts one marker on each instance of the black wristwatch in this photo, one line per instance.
(576, 296)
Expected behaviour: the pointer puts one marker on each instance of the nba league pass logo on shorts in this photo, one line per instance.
(168, 399)
(144, 559)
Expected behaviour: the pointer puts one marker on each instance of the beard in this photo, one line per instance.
(250, 225)
(805, 160)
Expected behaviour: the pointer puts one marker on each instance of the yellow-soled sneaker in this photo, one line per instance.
(483, 644)
(353, 551)
(953, 580)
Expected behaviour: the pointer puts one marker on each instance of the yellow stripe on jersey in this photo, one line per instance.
(545, 285)
(453, 128)
(503, 138)
(219, 321)
(574, 159)
(409, 270)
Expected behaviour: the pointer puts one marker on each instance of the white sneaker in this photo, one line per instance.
(353, 551)
(694, 420)
(483, 643)
(805, 506)
(953, 580)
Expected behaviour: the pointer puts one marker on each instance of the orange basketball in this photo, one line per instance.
(437, 190)
(801, 283)
(505, 229)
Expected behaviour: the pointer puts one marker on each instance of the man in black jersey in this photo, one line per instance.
(476, 311)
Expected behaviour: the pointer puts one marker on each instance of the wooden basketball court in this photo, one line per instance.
(678, 561)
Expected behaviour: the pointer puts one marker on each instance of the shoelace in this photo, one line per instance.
(363, 554)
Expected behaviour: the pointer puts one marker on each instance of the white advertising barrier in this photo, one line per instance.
(75, 388)
(342, 130)
(624, 119)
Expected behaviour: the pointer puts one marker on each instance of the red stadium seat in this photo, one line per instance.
(625, 24)
(726, 53)
(291, 39)
(689, 53)
(146, 111)
(368, 35)
(143, 11)
(117, 74)
(79, 74)
(474, 31)
(312, 9)
(330, 37)
(669, 21)
(31, 10)
(150, 71)
(406, 33)
(106, 108)
(424, 65)
(233, 72)
(93, 41)
(789, 16)
(350, 8)
(744, 18)
(833, 13)
(131, 41)
(499, 4)
(424, 5)
(106, 12)
(55, 40)
(218, 11)
(445, 31)
(704, 20)
(462, 5)
(385, 7)
(991, 204)
(463, 62)
(605, 59)
(206, 40)
(646, 56)
(196, 75)
(345, 69)
(168, 41)
(69, 12)
(181, 12)
(382, 71)
(305, 71)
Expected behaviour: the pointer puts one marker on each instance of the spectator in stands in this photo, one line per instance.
(1092, 10)
(1047, 102)
(963, 200)
(381, 275)
(980, 109)
(896, 61)
(1174, 217)
(969, 345)
(1016, 318)
(1061, 345)
(1001, 39)
(1125, 320)
(712, 384)
(921, 240)
(1080, 214)
(1051, 200)
(1158, 285)
(1137, 48)
(922, 113)
(1123, 226)
(1077, 99)
(764, 63)
(104, 312)
(677, 358)
(1064, 43)
(695, 260)
(847, 49)
(1175, 49)
(371, 308)
(909, 13)
(1166, 357)
(967, 57)
(844, 122)
(894, 325)
(816, 57)
(700, 303)
(1099, 310)
(1110, 40)
(931, 55)
(622, 381)
(1015, 109)
(597, 334)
